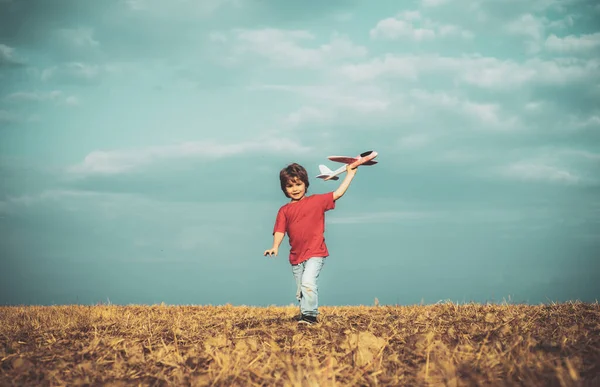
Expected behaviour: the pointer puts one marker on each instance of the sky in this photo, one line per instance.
(141, 143)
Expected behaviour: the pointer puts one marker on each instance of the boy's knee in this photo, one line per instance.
(308, 287)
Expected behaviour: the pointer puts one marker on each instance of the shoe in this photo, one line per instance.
(306, 319)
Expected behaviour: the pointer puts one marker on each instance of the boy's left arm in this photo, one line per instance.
(341, 190)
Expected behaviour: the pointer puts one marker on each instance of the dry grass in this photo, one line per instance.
(442, 344)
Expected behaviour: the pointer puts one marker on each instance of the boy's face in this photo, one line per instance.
(295, 189)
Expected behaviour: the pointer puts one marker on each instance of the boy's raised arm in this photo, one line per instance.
(341, 190)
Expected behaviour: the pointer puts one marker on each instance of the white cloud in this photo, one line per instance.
(7, 56)
(414, 141)
(564, 23)
(179, 9)
(404, 26)
(74, 69)
(78, 37)
(121, 161)
(72, 101)
(489, 115)
(335, 102)
(343, 16)
(581, 154)
(437, 98)
(535, 171)
(458, 156)
(592, 121)
(7, 117)
(55, 96)
(433, 3)
(37, 96)
(287, 48)
(392, 65)
(458, 215)
(530, 27)
(485, 72)
(208, 235)
(384, 217)
(571, 44)
(534, 106)
(216, 36)
(59, 194)
(392, 28)
(84, 72)
(453, 30)
(307, 114)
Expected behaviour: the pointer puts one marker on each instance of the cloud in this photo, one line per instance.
(476, 70)
(58, 194)
(343, 17)
(8, 57)
(415, 141)
(209, 235)
(73, 69)
(308, 114)
(34, 96)
(433, 3)
(530, 27)
(122, 161)
(332, 103)
(364, 99)
(9, 117)
(384, 217)
(571, 44)
(179, 9)
(534, 171)
(72, 101)
(488, 114)
(403, 26)
(462, 215)
(55, 96)
(81, 37)
(287, 48)
(80, 72)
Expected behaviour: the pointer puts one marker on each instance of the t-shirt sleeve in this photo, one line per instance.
(327, 201)
(280, 222)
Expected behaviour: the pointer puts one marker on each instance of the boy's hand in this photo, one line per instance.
(271, 252)
(351, 171)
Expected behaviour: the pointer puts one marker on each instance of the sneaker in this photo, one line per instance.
(305, 319)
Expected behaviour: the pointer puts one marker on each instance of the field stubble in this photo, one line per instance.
(442, 344)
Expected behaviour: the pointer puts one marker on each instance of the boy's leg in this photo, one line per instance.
(297, 270)
(309, 303)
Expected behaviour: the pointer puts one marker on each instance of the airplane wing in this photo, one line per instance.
(350, 160)
(343, 159)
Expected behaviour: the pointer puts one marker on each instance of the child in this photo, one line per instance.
(303, 218)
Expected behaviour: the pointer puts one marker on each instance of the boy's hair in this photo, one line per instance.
(291, 172)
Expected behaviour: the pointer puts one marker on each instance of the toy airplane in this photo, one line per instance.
(365, 158)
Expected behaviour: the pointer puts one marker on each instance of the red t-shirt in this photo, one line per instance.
(304, 222)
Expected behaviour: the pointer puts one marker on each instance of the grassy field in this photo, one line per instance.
(442, 344)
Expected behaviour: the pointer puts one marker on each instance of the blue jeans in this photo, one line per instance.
(307, 293)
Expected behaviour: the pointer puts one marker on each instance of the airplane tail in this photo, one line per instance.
(324, 170)
(326, 173)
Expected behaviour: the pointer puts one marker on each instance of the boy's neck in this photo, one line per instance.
(296, 201)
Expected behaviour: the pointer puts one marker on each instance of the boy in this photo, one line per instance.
(303, 218)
